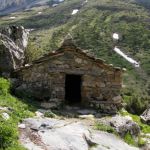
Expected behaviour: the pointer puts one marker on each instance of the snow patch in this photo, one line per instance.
(25, 38)
(12, 17)
(116, 36)
(27, 65)
(129, 59)
(54, 5)
(39, 12)
(75, 11)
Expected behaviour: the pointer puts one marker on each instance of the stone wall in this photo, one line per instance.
(45, 80)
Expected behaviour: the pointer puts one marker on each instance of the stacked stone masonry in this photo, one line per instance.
(100, 83)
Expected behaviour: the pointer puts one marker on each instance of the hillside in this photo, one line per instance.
(92, 27)
(7, 6)
(145, 3)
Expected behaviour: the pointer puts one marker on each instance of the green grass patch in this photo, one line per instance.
(138, 142)
(141, 142)
(129, 139)
(106, 128)
(49, 114)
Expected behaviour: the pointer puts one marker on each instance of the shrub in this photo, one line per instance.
(136, 104)
(8, 134)
(49, 114)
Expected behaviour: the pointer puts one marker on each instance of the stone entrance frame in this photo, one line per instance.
(45, 78)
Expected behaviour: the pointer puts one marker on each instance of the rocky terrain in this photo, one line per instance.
(76, 133)
(92, 25)
(54, 134)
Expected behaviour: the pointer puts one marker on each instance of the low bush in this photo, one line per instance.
(49, 114)
(8, 134)
(136, 104)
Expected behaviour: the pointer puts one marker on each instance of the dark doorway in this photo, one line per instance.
(73, 89)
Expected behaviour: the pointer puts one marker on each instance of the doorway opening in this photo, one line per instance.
(73, 89)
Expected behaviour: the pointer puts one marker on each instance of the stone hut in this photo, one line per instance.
(70, 75)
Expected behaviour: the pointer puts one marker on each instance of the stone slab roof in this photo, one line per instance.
(68, 45)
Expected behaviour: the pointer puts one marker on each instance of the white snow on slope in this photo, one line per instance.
(74, 11)
(39, 12)
(116, 36)
(12, 17)
(129, 59)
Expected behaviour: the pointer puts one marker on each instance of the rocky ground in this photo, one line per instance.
(54, 134)
(75, 131)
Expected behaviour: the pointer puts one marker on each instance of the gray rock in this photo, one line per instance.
(5, 116)
(4, 108)
(22, 126)
(13, 41)
(122, 125)
(145, 117)
(54, 134)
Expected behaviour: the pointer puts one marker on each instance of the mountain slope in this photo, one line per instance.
(9, 6)
(92, 28)
(145, 3)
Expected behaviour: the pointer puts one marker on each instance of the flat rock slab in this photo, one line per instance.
(54, 134)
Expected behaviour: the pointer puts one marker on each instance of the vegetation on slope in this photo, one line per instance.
(17, 110)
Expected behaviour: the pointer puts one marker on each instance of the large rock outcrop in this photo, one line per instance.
(122, 125)
(54, 134)
(13, 41)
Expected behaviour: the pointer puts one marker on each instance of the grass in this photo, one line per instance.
(129, 139)
(138, 142)
(106, 128)
(18, 111)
